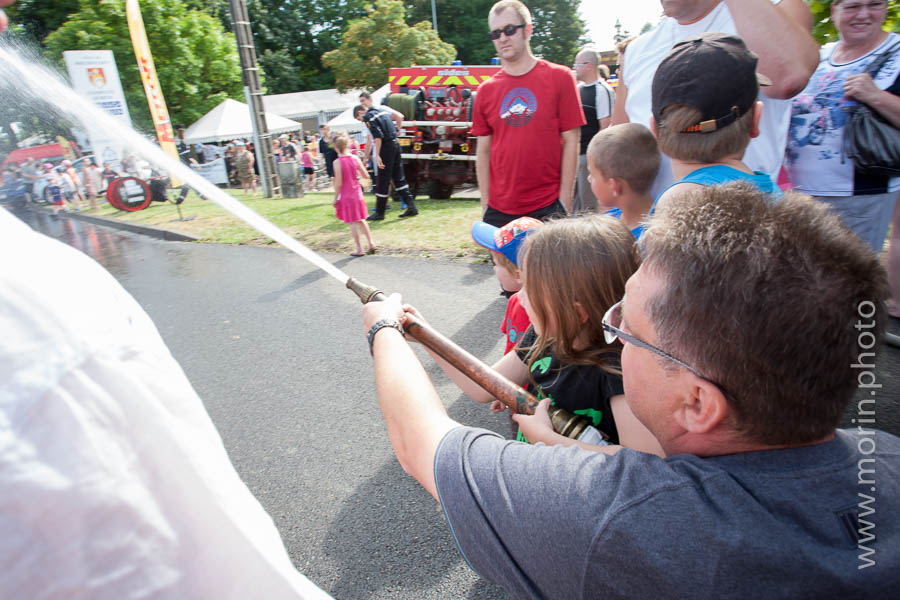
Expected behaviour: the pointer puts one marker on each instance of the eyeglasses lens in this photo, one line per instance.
(613, 318)
(854, 7)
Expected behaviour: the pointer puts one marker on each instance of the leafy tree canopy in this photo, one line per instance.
(292, 36)
(462, 23)
(558, 29)
(37, 18)
(382, 40)
(196, 60)
(823, 28)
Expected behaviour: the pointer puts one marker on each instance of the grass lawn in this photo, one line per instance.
(440, 230)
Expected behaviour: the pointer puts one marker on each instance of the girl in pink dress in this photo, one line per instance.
(349, 204)
(309, 172)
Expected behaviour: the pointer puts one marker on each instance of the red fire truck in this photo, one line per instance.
(438, 151)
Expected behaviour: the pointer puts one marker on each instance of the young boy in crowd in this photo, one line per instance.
(504, 242)
(705, 112)
(54, 189)
(622, 164)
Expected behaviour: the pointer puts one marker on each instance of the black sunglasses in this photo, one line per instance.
(509, 30)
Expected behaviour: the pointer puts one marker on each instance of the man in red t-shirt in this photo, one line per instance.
(527, 119)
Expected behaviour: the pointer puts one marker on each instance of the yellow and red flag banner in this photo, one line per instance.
(158, 110)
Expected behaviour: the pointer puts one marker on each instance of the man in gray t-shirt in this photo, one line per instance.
(746, 333)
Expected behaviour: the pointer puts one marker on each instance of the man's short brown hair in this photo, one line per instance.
(628, 152)
(763, 299)
(707, 147)
(520, 9)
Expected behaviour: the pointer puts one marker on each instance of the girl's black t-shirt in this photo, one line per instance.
(580, 389)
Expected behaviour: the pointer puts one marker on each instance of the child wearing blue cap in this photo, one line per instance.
(571, 272)
(504, 243)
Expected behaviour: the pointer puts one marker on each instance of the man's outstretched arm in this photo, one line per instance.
(415, 417)
(780, 36)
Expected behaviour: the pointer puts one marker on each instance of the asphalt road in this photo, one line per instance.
(276, 350)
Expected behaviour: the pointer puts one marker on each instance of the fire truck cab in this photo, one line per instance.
(436, 102)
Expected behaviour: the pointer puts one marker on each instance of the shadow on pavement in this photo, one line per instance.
(390, 527)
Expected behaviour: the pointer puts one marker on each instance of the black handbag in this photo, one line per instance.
(871, 141)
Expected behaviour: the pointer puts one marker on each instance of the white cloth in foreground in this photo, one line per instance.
(114, 483)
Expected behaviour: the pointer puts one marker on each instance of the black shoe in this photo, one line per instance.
(409, 212)
(376, 217)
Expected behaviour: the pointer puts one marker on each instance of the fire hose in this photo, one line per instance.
(513, 396)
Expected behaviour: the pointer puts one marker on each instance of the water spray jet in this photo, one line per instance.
(43, 83)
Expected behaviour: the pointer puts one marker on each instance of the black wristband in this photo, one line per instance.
(378, 326)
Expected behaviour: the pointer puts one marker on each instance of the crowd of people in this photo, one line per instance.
(63, 186)
(716, 390)
(718, 387)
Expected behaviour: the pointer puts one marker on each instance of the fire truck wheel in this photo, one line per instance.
(439, 191)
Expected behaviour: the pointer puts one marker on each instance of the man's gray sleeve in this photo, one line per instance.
(521, 515)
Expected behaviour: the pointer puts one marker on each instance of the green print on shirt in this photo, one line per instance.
(595, 415)
(542, 364)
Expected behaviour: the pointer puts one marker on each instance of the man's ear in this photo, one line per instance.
(757, 115)
(704, 408)
(653, 125)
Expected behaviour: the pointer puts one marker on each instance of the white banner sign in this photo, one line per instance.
(94, 75)
(213, 171)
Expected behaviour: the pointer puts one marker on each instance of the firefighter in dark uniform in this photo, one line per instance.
(387, 156)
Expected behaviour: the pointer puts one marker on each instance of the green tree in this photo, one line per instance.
(382, 40)
(37, 18)
(40, 118)
(824, 31)
(462, 23)
(558, 29)
(196, 60)
(292, 35)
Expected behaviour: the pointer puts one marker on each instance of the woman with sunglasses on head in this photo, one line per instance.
(815, 160)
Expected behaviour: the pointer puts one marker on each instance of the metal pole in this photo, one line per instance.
(262, 140)
(433, 17)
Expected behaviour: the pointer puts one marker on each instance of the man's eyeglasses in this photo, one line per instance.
(576, 65)
(855, 7)
(509, 30)
(612, 322)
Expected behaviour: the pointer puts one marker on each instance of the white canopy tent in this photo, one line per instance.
(345, 120)
(231, 120)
